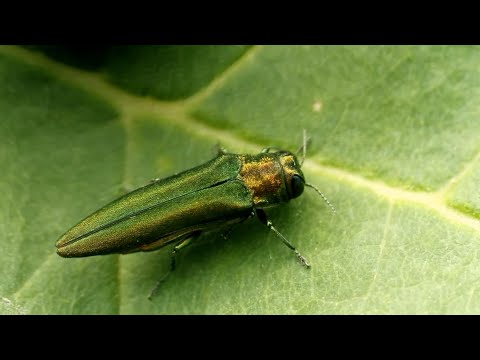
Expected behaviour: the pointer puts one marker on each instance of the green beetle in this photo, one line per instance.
(221, 192)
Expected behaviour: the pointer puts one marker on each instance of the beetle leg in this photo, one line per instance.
(263, 219)
(226, 233)
(180, 245)
(220, 150)
(267, 149)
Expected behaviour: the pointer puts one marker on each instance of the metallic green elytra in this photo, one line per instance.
(221, 192)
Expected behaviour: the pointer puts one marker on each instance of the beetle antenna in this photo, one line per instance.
(323, 196)
(303, 148)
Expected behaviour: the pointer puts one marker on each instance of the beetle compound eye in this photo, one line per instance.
(297, 186)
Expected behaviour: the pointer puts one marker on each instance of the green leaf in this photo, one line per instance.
(394, 147)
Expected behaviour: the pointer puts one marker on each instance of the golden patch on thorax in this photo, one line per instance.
(290, 167)
(262, 174)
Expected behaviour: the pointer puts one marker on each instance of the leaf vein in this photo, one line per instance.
(381, 251)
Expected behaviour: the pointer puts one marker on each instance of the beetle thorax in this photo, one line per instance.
(263, 176)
